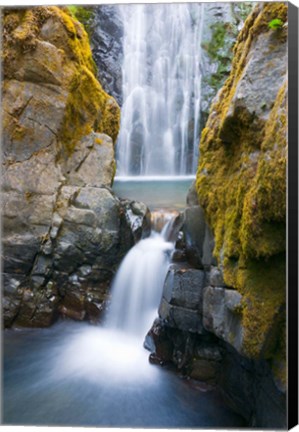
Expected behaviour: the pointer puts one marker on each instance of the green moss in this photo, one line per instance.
(78, 40)
(241, 186)
(88, 107)
(262, 285)
(219, 49)
(83, 14)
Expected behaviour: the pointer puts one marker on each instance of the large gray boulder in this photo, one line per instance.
(222, 315)
(181, 304)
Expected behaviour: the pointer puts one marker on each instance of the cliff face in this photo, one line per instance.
(107, 49)
(63, 229)
(221, 25)
(241, 183)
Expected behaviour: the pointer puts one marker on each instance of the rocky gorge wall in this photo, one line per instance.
(64, 231)
(222, 314)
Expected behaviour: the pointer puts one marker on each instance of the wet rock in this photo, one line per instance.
(198, 238)
(181, 318)
(216, 277)
(138, 219)
(106, 39)
(36, 310)
(208, 351)
(19, 252)
(222, 315)
(181, 305)
(192, 197)
(183, 287)
(174, 227)
(72, 305)
(158, 342)
(42, 109)
(220, 29)
(94, 310)
(178, 256)
(204, 370)
(250, 390)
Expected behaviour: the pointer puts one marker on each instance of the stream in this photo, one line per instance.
(82, 375)
(76, 374)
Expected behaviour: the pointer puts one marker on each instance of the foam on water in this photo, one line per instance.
(104, 356)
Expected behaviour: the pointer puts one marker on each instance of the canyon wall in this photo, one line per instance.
(64, 231)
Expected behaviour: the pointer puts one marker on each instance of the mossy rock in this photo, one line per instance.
(28, 34)
(241, 178)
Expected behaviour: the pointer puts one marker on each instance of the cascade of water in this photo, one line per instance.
(161, 89)
(137, 288)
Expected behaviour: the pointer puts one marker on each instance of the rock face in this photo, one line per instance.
(181, 305)
(243, 163)
(221, 25)
(64, 231)
(241, 186)
(221, 314)
(106, 40)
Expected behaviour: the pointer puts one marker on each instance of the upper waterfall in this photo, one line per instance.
(161, 83)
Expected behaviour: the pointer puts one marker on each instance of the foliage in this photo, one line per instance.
(276, 23)
(219, 49)
(84, 14)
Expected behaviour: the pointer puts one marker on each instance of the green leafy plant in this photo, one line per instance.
(275, 24)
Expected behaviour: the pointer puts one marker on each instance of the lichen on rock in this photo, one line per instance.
(241, 179)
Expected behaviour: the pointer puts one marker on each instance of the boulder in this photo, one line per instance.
(183, 287)
(222, 315)
(138, 218)
(180, 318)
(158, 343)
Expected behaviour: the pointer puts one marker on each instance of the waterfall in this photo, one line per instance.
(161, 83)
(137, 288)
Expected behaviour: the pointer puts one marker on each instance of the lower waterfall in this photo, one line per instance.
(115, 350)
(137, 288)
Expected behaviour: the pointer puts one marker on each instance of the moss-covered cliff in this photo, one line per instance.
(241, 181)
(46, 45)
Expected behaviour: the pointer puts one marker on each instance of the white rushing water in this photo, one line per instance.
(137, 288)
(114, 352)
(161, 89)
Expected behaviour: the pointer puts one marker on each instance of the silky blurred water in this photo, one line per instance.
(161, 84)
(75, 374)
(80, 375)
